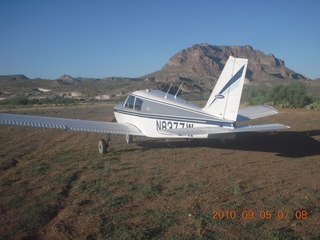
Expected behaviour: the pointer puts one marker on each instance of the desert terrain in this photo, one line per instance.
(55, 184)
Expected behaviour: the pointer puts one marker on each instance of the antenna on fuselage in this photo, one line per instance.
(168, 91)
(175, 96)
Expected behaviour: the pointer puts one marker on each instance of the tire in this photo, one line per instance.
(102, 146)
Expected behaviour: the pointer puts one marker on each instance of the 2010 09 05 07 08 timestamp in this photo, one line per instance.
(263, 214)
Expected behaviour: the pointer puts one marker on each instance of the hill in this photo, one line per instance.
(203, 63)
(69, 87)
(13, 77)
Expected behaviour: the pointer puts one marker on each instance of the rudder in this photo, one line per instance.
(224, 100)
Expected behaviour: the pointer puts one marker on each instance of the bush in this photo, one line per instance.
(27, 101)
(314, 106)
(254, 95)
(290, 96)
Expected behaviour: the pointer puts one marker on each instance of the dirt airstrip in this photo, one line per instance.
(55, 185)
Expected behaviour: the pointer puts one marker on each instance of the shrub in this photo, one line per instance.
(289, 96)
(314, 106)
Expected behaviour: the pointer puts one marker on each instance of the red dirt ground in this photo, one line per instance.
(54, 184)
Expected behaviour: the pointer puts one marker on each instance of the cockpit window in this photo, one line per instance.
(130, 102)
(133, 103)
(138, 104)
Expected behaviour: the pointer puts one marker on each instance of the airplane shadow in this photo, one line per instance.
(289, 144)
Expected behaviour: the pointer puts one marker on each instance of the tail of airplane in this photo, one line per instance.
(224, 100)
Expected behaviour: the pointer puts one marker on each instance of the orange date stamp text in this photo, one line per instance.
(263, 214)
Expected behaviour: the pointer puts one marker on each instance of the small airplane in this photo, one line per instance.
(157, 114)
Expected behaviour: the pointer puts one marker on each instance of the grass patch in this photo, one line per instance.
(7, 163)
(79, 202)
(162, 179)
(114, 228)
(123, 176)
(146, 189)
(60, 179)
(5, 183)
(254, 230)
(19, 188)
(37, 169)
(200, 165)
(159, 219)
(72, 167)
(187, 187)
(95, 166)
(96, 186)
(178, 236)
(15, 202)
(110, 229)
(36, 215)
(118, 202)
(49, 196)
(76, 159)
(253, 227)
(113, 157)
(277, 234)
(137, 172)
(236, 189)
(159, 171)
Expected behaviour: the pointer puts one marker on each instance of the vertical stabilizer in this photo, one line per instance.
(224, 100)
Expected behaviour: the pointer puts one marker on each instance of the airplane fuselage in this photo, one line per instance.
(145, 109)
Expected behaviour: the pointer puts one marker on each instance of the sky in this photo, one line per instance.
(125, 38)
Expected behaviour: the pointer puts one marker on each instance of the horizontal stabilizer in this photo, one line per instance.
(254, 112)
(69, 124)
(194, 131)
(260, 127)
(220, 130)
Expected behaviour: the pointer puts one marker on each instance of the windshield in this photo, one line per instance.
(138, 104)
(133, 103)
(130, 102)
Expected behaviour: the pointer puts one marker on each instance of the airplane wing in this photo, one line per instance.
(69, 124)
(253, 112)
(220, 130)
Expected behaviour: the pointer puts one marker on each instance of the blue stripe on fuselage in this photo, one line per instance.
(171, 118)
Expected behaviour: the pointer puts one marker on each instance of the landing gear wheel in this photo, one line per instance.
(102, 146)
(129, 138)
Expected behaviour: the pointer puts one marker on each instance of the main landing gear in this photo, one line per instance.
(104, 144)
(129, 138)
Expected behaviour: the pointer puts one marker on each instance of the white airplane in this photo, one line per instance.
(157, 114)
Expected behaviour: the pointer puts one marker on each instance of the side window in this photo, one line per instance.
(130, 102)
(138, 104)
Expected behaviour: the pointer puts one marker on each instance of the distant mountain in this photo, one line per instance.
(68, 79)
(69, 87)
(13, 77)
(203, 63)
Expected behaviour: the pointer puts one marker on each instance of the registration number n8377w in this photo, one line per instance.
(172, 125)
